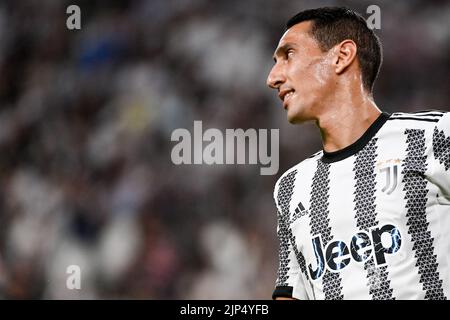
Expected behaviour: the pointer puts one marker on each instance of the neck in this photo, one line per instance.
(346, 120)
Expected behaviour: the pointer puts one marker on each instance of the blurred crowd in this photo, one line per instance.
(86, 118)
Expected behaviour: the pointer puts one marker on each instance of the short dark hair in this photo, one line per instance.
(331, 25)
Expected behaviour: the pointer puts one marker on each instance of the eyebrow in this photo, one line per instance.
(282, 49)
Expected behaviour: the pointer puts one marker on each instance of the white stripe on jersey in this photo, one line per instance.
(371, 221)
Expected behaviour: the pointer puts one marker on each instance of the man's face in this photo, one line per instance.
(303, 74)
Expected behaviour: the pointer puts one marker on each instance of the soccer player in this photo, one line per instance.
(367, 217)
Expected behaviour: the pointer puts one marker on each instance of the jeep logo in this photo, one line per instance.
(337, 253)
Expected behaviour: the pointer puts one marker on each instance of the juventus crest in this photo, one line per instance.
(390, 170)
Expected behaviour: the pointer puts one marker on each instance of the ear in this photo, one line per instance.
(346, 54)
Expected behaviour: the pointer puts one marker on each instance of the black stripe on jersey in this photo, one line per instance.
(441, 148)
(284, 196)
(415, 187)
(430, 111)
(366, 217)
(286, 238)
(320, 225)
(430, 114)
(418, 114)
(412, 118)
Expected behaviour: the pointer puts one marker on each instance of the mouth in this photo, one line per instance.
(285, 96)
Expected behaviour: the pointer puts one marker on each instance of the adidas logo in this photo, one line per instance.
(300, 211)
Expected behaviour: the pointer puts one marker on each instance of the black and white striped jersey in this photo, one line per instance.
(370, 221)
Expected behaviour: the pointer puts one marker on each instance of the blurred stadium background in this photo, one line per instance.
(85, 122)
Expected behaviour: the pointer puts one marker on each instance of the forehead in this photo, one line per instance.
(297, 34)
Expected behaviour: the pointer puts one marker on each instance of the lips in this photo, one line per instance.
(285, 96)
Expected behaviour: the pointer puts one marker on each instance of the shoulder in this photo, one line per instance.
(423, 119)
(418, 118)
(426, 121)
(441, 140)
(444, 123)
(301, 166)
(291, 174)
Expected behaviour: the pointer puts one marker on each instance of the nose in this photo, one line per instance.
(275, 77)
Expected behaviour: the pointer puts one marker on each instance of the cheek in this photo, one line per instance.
(321, 73)
(312, 76)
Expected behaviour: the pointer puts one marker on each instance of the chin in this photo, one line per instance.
(295, 118)
(298, 115)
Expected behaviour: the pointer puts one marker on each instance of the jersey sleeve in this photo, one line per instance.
(289, 282)
(439, 157)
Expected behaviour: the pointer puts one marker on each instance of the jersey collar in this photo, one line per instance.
(329, 157)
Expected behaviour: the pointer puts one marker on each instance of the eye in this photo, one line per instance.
(290, 53)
